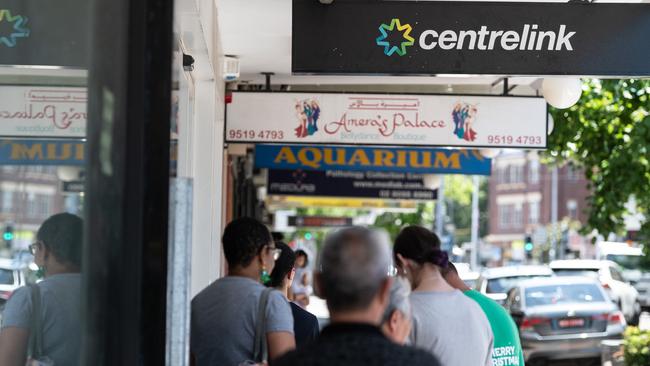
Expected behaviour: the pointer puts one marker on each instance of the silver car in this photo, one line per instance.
(563, 317)
(496, 282)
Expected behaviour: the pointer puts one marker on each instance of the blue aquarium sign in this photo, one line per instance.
(406, 160)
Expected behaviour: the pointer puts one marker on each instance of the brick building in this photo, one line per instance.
(520, 198)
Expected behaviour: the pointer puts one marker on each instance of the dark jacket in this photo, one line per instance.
(355, 344)
(305, 325)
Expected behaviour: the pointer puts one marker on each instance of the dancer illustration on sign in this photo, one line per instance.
(307, 112)
(464, 116)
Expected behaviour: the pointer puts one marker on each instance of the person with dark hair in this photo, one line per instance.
(301, 287)
(352, 274)
(305, 324)
(53, 305)
(227, 313)
(507, 345)
(445, 322)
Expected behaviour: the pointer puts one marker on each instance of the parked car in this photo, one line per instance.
(610, 277)
(563, 318)
(11, 277)
(496, 282)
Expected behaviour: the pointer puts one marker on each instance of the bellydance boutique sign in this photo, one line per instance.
(381, 119)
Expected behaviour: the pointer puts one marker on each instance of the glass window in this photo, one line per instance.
(505, 216)
(616, 275)
(516, 174)
(591, 273)
(533, 172)
(504, 284)
(569, 293)
(6, 276)
(533, 212)
(572, 209)
(7, 201)
(517, 216)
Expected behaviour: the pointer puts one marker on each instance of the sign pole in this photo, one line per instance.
(475, 223)
(440, 209)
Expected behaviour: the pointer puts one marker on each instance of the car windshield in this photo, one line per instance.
(569, 293)
(580, 272)
(6, 277)
(504, 284)
(626, 261)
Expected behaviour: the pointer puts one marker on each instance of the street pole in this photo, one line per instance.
(554, 253)
(440, 208)
(475, 224)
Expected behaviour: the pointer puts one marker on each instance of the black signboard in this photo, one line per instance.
(45, 32)
(498, 38)
(334, 183)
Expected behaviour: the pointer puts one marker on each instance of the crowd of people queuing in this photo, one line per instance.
(408, 307)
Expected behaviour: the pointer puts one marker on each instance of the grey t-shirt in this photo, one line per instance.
(452, 327)
(60, 309)
(224, 316)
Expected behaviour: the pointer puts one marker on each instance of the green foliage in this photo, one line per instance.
(393, 222)
(636, 347)
(608, 133)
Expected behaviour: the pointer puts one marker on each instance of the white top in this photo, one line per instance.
(451, 326)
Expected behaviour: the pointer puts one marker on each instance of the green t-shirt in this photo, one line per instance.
(507, 346)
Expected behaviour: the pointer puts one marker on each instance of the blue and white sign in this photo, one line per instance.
(42, 152)
(404, 160)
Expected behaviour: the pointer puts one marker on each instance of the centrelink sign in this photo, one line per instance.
(436, 37)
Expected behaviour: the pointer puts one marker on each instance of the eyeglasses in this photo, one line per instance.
(34, 247)
(275, 251)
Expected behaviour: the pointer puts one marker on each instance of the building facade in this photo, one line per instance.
(520, 200)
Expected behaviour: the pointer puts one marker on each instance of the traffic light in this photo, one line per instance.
(8, 235)
(308, 236)
(528, 247)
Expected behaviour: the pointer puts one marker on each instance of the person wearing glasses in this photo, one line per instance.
(305, 324)
(57, 252)
(226, 313)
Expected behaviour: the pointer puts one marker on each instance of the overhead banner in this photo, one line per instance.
(319, 221)
(458, 37)
(381, 119)
(331, 183)
(45, 33)
(42, 111)
(404, 160)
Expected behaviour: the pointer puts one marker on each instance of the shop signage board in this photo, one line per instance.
(383, 159)
(340, 183)
(42, 152)
(458, 37)
(319, 221)
(55, 152)
(41, 111)
(45, 33)
(389, 120)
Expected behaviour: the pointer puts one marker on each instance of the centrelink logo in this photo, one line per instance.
(19, 25)
(530, 38)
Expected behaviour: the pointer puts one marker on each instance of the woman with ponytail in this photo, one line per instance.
(445, 322)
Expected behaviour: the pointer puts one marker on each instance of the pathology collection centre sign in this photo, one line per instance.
(379, 119)
(42, 111)
(445, 37)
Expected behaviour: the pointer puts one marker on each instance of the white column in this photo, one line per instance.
(440, 208)
(555, 253)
